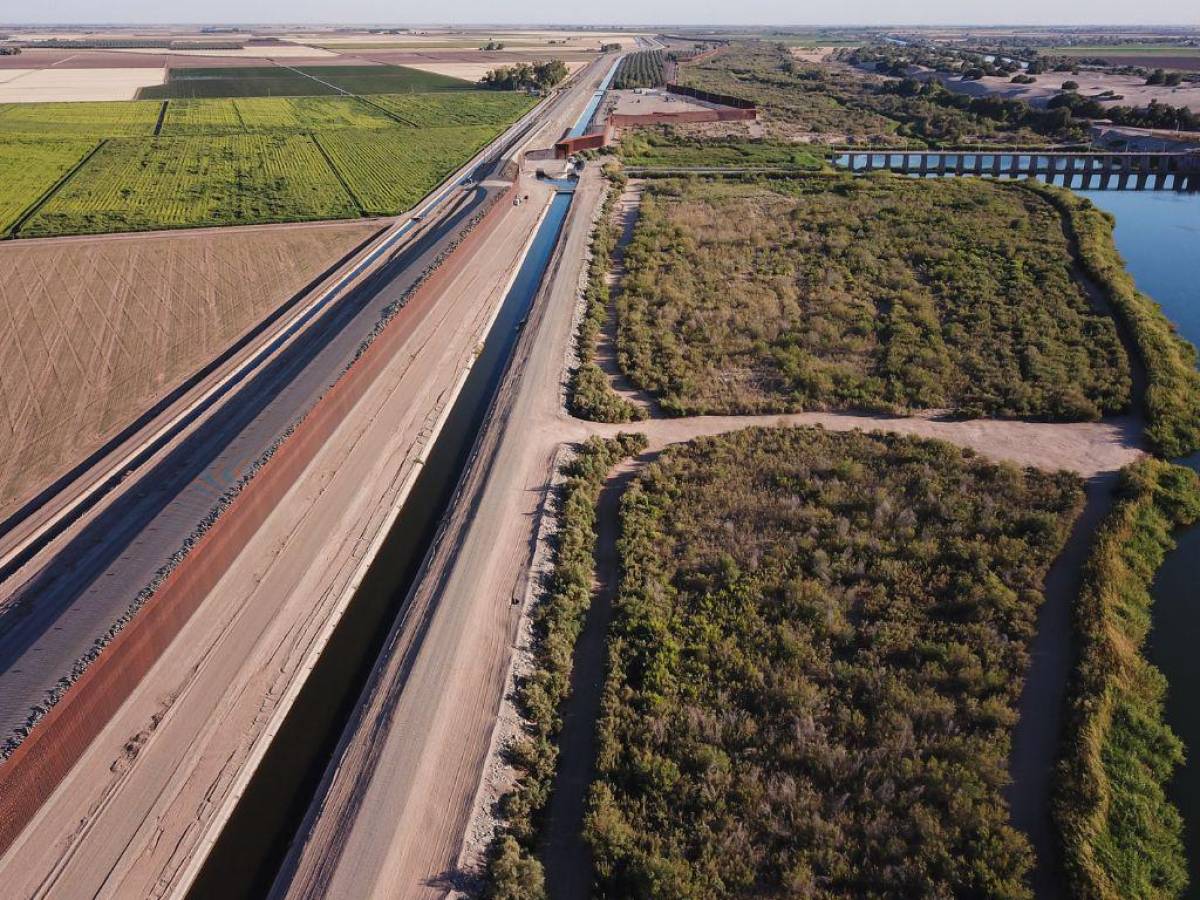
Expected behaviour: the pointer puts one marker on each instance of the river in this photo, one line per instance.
(1158, 233)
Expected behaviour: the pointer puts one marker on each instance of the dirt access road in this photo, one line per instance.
(407, 804)
(139, 810)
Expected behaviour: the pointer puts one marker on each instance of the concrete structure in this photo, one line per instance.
(1178, 171)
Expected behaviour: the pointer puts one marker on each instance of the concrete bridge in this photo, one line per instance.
(1178, 171)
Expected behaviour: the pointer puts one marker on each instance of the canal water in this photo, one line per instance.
(252, 845)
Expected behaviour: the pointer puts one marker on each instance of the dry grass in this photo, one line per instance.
(94, 330)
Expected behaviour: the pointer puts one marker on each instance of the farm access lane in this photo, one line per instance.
(60, 606)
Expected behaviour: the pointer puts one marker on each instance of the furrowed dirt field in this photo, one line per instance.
(95, 329)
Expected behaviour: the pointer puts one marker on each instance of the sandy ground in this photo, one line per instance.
(469, 71)
(84, 361)
(53, 84)
(1132, 89)
(651, 101)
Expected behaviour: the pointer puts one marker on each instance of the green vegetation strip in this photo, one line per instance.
(30, 169)
(665, 149)
(514, 870)
(881, 293)
(818, 644)
(590, 394)
(233, 161)
(1172, 401)
(643, 69)
(137, 185)
(1121, 836)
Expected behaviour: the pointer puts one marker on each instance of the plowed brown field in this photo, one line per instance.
(93, 330)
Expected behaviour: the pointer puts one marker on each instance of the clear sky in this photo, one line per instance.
(629, 12)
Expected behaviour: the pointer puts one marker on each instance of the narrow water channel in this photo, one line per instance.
(253, 843)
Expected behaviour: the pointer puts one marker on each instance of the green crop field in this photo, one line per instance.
(132, 185)
(201, 117)
(92, 119)
(309, 113)
(388, 171)
(276, 81)
(29, 167)
(239, 160)
(466, 108)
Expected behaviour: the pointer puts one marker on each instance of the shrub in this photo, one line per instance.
(513, 871)
(1172, 401)
(1121, 836)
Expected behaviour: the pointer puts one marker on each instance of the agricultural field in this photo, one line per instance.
(388, 170)
(882, 293)
(467, 108)
(640, 70)
(95, 329)
(818, 644)
(219, 161)
(133, 185)
(29, 168)
(277, 81)
(107, 118)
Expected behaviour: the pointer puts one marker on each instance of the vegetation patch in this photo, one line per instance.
(590, 395)
(664, 148)
(1172, 401)
(884, 293)
(237, 160)
(98, 119)
(801, 99)
(29, 167)
(295, 81)
(514, 870)
(389, 170)
(643, 69)
(133, 185)
(1121, 836)
(818, 643)
(465, 108)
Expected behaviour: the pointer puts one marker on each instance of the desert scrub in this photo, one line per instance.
(1172, 401)
(513, 870)
(590, 395)
(817, 647)
(663, 147)
(880, 293)
(1121, 836)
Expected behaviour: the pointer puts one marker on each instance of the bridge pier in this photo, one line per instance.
(924, 170)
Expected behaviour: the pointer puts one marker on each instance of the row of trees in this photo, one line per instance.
(640, 70)
(526, 76)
